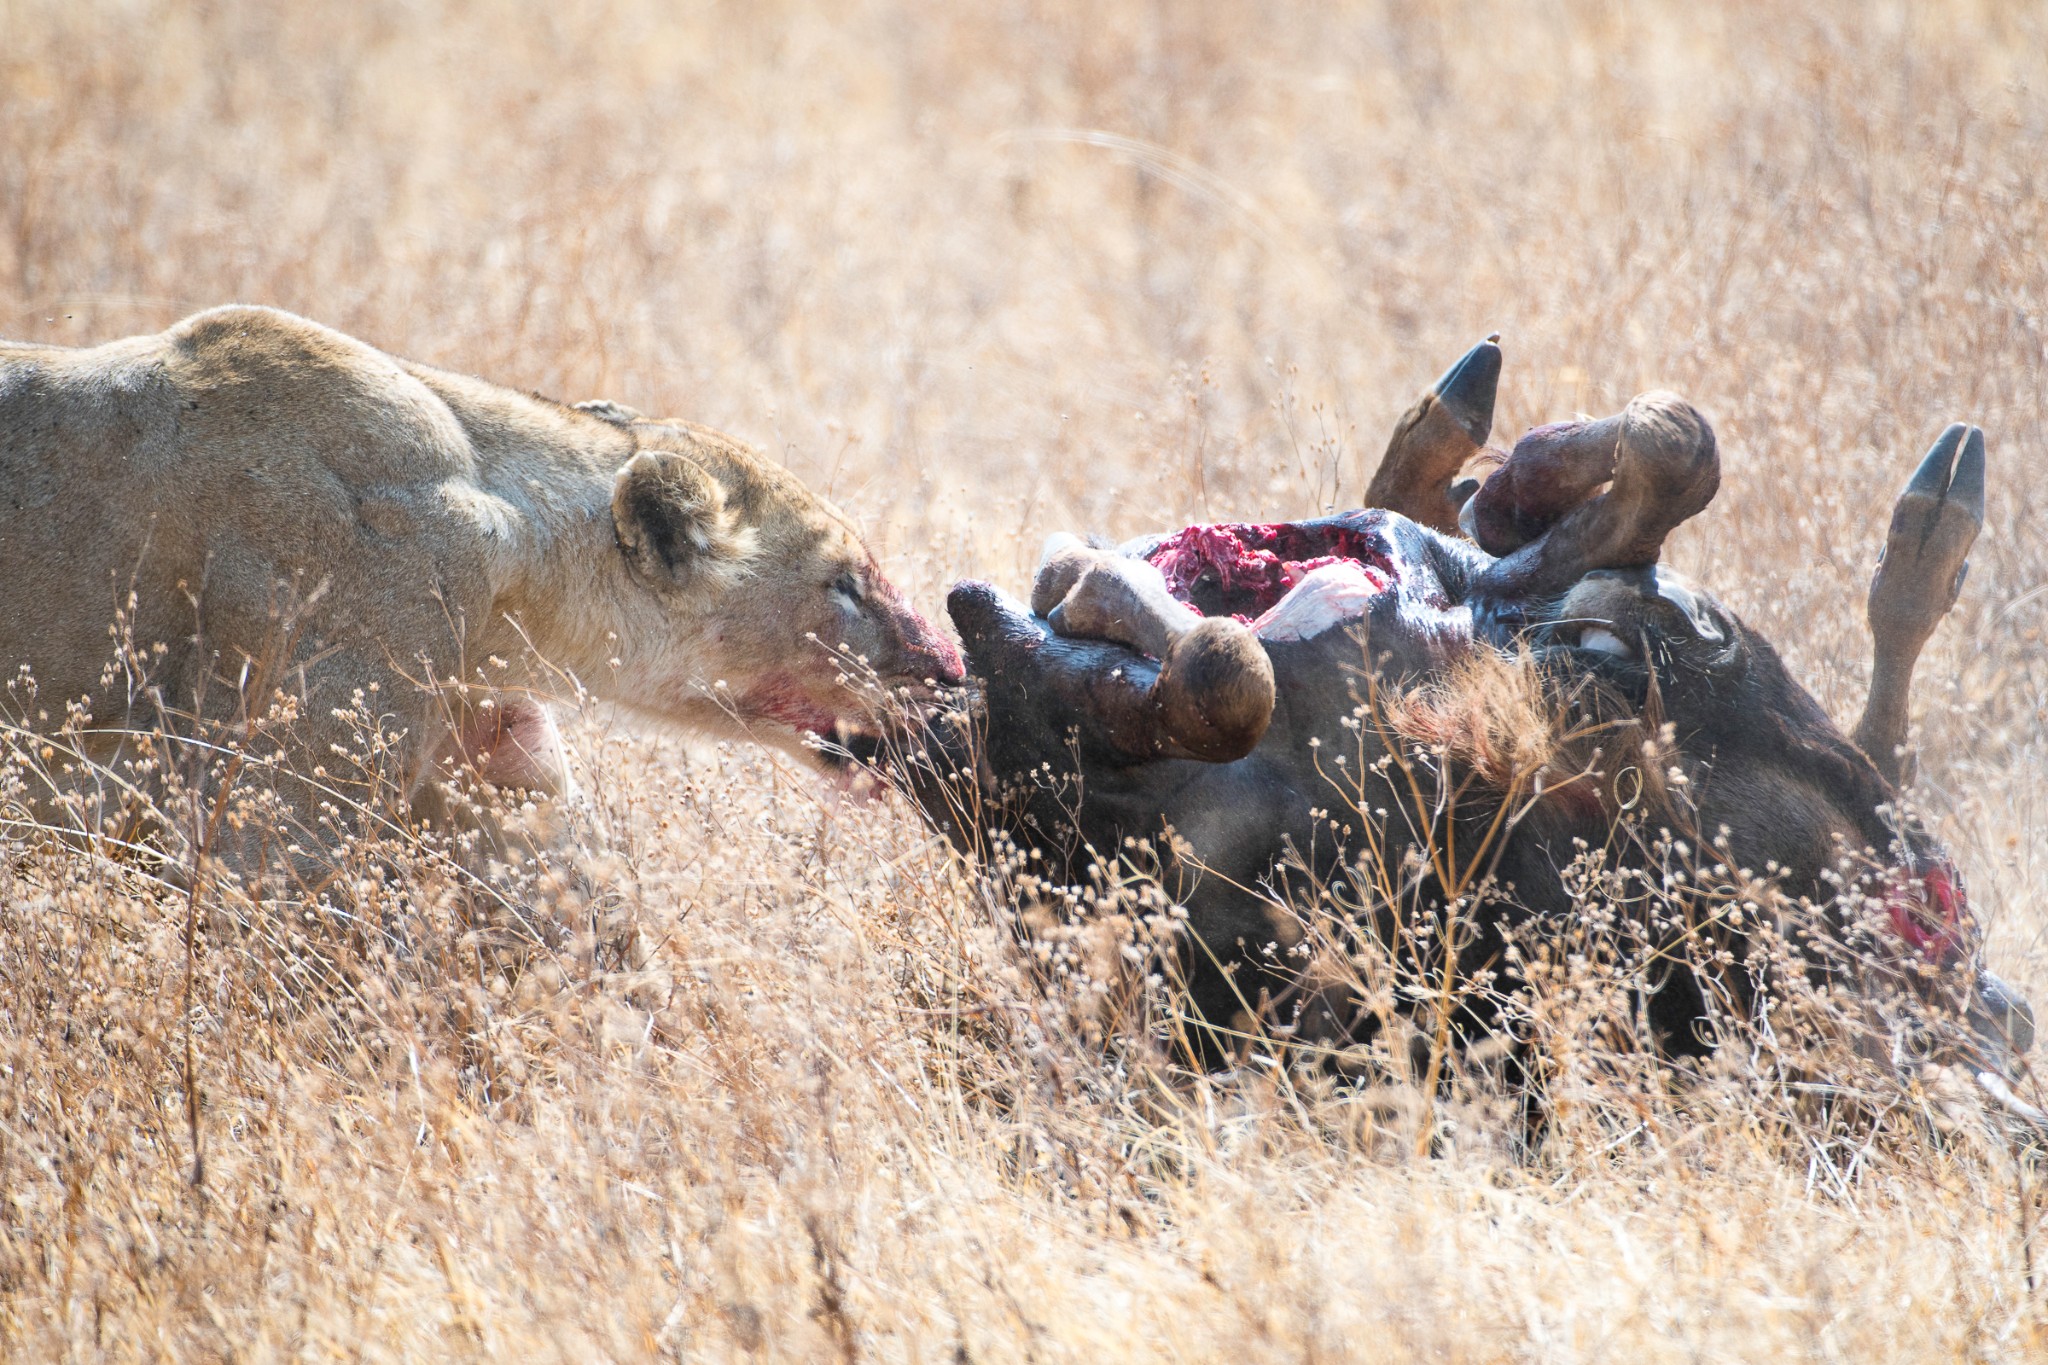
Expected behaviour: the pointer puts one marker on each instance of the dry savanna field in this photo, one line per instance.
(981, 272)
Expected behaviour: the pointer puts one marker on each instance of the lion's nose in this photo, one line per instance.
(947, 666)
(930, 654)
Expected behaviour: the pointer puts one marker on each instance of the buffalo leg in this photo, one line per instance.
(1919, 572)
(1447, 426)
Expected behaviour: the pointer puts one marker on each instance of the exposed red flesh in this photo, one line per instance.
(1243, 568)
(1926, 903)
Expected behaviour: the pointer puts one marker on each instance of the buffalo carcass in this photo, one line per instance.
(1367, 714)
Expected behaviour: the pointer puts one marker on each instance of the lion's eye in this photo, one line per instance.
(848, 587)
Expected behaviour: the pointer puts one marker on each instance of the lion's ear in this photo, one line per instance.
(673, 525)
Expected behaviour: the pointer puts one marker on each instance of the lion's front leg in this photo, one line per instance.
(512, 743)
(497, 781)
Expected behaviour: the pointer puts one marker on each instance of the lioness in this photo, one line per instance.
(286, 517)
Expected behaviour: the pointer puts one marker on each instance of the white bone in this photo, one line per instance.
(1326, 598)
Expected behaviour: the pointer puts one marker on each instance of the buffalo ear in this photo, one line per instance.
(673, 525)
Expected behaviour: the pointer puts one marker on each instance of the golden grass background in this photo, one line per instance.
(982, 272)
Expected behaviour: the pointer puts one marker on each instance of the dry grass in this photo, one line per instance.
(983, 272)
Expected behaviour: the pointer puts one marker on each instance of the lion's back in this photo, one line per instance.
(242, 457)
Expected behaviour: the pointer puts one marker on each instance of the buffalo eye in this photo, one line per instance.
(1602, 640)
(848, 589)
